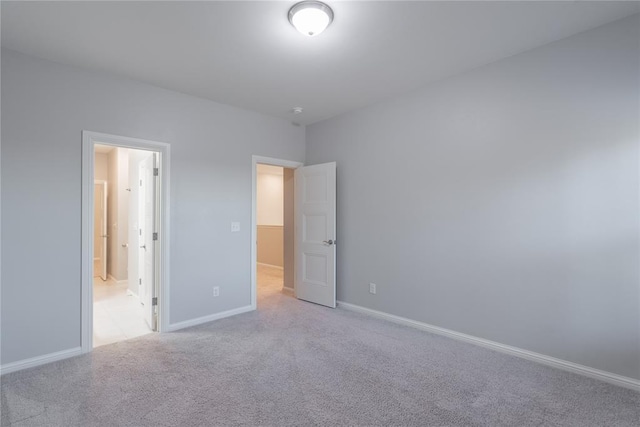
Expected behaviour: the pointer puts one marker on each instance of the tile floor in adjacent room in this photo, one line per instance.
(117, 315)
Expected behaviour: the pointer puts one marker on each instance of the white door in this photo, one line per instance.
(100, 230)
(315, 215)
(146, 242)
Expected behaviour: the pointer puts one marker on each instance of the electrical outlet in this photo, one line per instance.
(372, 288)
(216, 291)
(235, 226)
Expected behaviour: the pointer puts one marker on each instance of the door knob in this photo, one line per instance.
(143, 247)
(329, 242)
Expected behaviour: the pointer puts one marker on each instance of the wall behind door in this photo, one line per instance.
(118, 213)
(101, 165)
(270, 215)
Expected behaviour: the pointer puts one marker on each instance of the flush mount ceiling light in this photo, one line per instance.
(310, 17)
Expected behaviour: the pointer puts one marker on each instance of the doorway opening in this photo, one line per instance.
(124, 238)
(124, 222)
(310, 266)
(274, 229)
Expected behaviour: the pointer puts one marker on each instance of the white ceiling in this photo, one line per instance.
(248, 55)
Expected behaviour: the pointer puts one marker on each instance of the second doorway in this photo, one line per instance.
(274, 229)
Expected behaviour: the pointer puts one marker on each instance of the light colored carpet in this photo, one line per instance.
(295, 363)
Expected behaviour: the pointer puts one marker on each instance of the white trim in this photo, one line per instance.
(119, 282)
(39, 360)
(288, 291)
(254, 227)
(271, 265)
(209, 318)
(89, 140)
(565, 365)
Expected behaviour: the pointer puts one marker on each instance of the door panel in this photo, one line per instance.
(316, 233)
(146, 221)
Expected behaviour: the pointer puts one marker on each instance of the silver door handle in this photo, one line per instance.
(329, 242)
(105, 235)
(143, 247)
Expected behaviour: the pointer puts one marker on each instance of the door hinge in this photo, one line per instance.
(154, 301)
(155, 236)
(155, 171)
(140, 281)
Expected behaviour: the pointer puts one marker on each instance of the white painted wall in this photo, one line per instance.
(122, 232)
(269, 195)
(503, 203)
(270, 214)
(45, 107)
(112, 213)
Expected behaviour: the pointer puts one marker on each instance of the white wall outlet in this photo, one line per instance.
(372, 288)
(216, 291)
(235, 226)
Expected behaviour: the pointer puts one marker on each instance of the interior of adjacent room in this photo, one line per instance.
(119, 282)
(274, 229)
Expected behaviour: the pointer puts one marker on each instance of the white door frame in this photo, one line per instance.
(290, 164)
(89, 140)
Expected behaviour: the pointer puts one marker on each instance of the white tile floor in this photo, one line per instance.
(116, 315)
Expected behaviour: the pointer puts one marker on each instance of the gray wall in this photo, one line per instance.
(45, 107)
(502, 203)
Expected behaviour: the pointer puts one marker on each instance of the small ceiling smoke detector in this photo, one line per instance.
(296, 110)
(310, 17)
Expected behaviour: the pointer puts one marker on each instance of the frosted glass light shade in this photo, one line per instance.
(310, 17)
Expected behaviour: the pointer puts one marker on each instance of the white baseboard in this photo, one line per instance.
(271, 265)
(39, 360)
(288, 291)
(209, 318)
(119, 282)
(565, 365)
